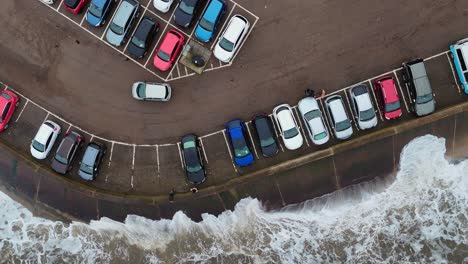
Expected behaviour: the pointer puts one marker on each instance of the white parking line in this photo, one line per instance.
(325, 117)
(351, 110)
(24, 106)
(203, 149)
(180, 155)
(110, 159)
(371, 87)
(224, 25)
(243, 41)
(252, 14)
(298, 116)
(84, 17)
(229, 151)
(69, 127)
(276, 133)
(91, 138)
(453, 73)
(48, 113)
(133, 158)
(211, 134)
(157, 158)
(176, 63)
(251, 138)
(401, 91)
(58, 7)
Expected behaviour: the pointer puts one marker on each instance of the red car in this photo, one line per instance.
(168, 50)
(74, 6)
(389, 101)
(8, 103)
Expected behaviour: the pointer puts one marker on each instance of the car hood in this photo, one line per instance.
(344, 134)
(38, 155)
(294, 143)
(368, 124)
(245, 161)
(221, 54)
(393, 114)
(203, 34)
(181, 18)
(162, 65)
(270, 150)
(135, 51)
(59, 167)
(425, 109)
(113, 38)
(93, 20)
(162, 6)
(196, 177)
(85, 176)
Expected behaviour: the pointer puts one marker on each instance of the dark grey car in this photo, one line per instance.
(419, 87)
(92, 158)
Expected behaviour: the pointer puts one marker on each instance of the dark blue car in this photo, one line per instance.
(210, 20)
(236, 131)
(97, 12)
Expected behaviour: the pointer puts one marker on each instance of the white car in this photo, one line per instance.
(288, 127)
(49, 2)
(313, 120)
(231, 39)
(362, 106)
(151, 91)
(163, 5)
(338, 118)
(44, 139)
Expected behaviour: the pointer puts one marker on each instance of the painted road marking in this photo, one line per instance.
(243, 41)
(110, 159)
(251, 138)
(300, 126)
(401, 91)
(453, 73)
(180, 155)
(229, 151)
(133, 167)
(157, 158)
(58, 7)
(69, 128)
(48, 113)
(371, 87)
(22, 110)
(203, 149)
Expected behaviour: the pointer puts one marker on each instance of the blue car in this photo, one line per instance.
(97, 12)
(459, 53)
(210, 20)
(241, 150)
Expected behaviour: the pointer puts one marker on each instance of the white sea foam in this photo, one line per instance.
(421, 215)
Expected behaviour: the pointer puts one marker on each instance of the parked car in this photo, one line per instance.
(288, 127)
(152, 91)
(169, 50)
(459, 54)
(142, 37)
(265, 135)
(362, 106)
(313, 120)
(92, 159)
(417, 82)
(98, 11)
(186, 12)
(123, 19)
(387, 94)
(74, 6)
(231, 38)
(239, 145)
(44, 139)
(66, 152)
(210, 20)
(8, 103)
(338, 117)
(194, 167)
(163, 5)
(49, 2)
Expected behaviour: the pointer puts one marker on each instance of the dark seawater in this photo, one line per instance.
(418, 216)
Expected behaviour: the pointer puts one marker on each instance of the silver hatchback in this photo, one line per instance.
(152, 91)
(122, 22)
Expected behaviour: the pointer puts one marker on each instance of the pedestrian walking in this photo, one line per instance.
(194, 190)
(309, 92)
(171, 196)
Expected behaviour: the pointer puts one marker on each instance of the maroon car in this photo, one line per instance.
(66, 152)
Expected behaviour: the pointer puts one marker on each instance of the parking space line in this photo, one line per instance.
(224, 25)
(453, 73)
(110, 21)
(156, 45)
(178, 70)
(176, 64)
(48, 113)
(300, 126)
(252, 14)
(58, 7)
(243, 41)
(325, 117)
(371, 87)
(84, 16)
(110, 160)
(91, 138)
(401, 91)
(134, 30)
(69, 128)
(203, 149)
(157, 158)
(180, 155)
(22, 110)
(212, 134)
(251, 138)
(351, 110)
(133, 166)
(186, 71)
(229, 151)
(276, 133)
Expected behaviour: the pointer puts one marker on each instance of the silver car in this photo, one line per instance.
(362, 106)
(419, 87)
(338, 118)
(151, 91)
(122, 22)
(313, 120)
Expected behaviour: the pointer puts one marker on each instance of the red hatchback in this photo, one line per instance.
(168, 50)
(74, 6)
(8, 103)
(389, 101)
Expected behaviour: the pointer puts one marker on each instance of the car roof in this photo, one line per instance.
(44, 133)
(155, 90)
(144, 28)
(65, 146)
(464, 50)
(362, 97)
(169, 42)
(262, 125)
(285, 118)
(90, 154)
(235, 28)
(124, 12)
(420, 79)
(389, 90)
(337, 108)
(213, 10)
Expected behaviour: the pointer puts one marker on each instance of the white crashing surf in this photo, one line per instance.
(421, 216)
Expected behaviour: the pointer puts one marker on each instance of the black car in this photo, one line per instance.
(185, 12)
(92, 158)
(66, 152)
(265, 135)
(142, 37)
(194, 167)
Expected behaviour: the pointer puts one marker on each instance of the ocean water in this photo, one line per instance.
(419, 215)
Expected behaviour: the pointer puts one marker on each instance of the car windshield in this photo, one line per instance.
(392, 106)
(320, 136)
(226, 44)
(164, 56)
(424, 98)
(240, 148)
(312, 114)
(86, 168)
(186, 8)
(138, 42)
(61, 159)
(38, 146)
(290, 133)
(117, 29)
(6, 96)
(343, 125)
(265, 142)
(193, 169)
(367, 114)
(207, 25)
(141, 90)
(95, 10)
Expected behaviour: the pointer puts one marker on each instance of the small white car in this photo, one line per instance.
(288, 127)
(338, 118)
(152, 91)
(163, 5)
(231, 38)
(362, 106)
(313, 120)
(44, 139)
